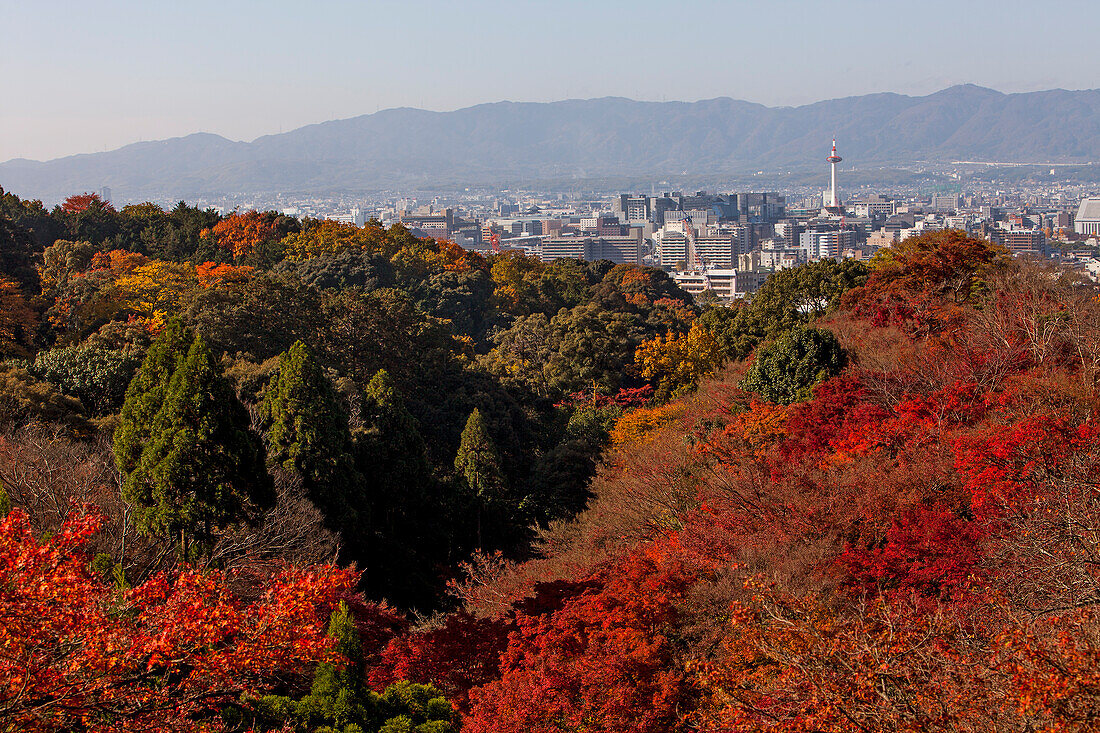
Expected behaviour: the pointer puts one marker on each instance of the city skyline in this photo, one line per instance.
(122, 72)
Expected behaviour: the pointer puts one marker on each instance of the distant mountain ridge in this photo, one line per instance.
(611, 136)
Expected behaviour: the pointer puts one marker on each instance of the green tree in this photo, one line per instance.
(478, 464)
(23, 399)
(788, 298)
(337, 697)
(97, 377)
(145, 394)
(404, 499)
(17, 254)
(787, 369)
(307, 431)
(339, 701)
(202, 468)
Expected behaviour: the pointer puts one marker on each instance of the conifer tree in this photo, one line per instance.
(201, 468)
(339, 701)
(478, 463)
(391, 442)
(405, 506)
(307, 430)
(145, 395)
(338, 692)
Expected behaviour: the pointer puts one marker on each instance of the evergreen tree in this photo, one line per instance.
(145, 395)
(478, 463)
(339, 701)
(307, 431)
(338, 694)
(390, 442)
(405, 504)
(786, 370)
(202, 468)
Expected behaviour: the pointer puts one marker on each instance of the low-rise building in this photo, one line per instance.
(727, 284)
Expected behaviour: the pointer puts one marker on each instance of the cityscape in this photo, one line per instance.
(728, 243)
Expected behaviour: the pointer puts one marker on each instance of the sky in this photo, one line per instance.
(88, 77)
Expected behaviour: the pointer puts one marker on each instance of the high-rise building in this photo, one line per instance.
(631, 208)
(715, 250)
(621, 249)
(1018, 240)
(558, 247)
(672, 247)
(873, 206)
(820, 244)
(759, 207)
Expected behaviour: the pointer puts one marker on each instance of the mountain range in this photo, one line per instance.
(527, 143)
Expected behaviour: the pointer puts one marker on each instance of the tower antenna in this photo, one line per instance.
(833, 159)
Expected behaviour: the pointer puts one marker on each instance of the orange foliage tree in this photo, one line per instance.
(81, 202)
(17, 320)
(168, 655)
(240, 234)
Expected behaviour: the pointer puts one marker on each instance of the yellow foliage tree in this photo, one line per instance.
(156, 289)
(639, 425)
(321, 238)
(676, 362)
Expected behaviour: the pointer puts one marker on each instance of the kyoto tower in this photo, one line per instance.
(833, 159)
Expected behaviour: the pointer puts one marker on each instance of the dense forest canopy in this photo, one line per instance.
(269, 474)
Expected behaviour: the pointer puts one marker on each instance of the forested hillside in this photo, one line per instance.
(263, 474)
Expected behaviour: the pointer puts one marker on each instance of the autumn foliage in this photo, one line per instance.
(907, 546)
(165, 655)
(240, 234)
(866, 500)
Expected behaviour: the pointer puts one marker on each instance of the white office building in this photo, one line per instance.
(1088, 216)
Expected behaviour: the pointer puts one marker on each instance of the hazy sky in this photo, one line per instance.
(92, 76)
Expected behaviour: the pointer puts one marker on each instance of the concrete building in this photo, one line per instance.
(357, 216)
(622, 249)
(631, 208)
(883, 238)
(875, 206)
(559, 247)
(789, 232)
(771, 259)
(957, 222)
(1087, 221)
(820, 244)
(715, 250)
(727, 284)
(439, 225)
(766, 206)
(1020, 241)
(671, 247)
(946, 204)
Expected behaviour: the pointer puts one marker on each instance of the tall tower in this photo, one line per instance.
(833, 159)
